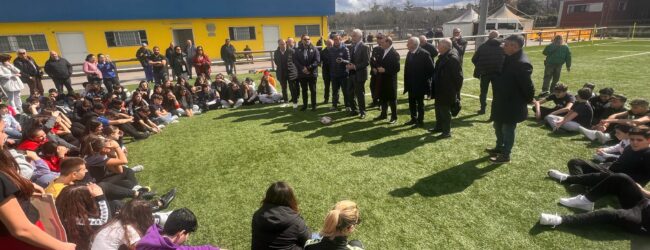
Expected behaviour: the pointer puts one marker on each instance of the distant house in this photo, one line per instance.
(75, 28)
(587, 13)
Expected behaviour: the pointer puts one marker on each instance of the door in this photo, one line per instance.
(182, 35)
(271, 36)
(73, 47)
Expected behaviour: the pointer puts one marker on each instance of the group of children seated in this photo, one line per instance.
(620, 169)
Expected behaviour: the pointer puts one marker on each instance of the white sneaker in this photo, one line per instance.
(284, 105)
(580, 202)
(160, 218)
(295, 105)
(602, 137)
(590, 134)
(161, 126)
(557, 175)
(137, 168)
(550, 219)
(175, 121)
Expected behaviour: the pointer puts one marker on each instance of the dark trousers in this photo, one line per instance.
(544, 111)
(294, 88)
(229, 67)
(632, 200)
(357, 89)
(580, 167)
(485, 85)
(416, 107)
(148, 72)
(505, 133)
(385, 103)
(110, 83)
(551, 76)
(59, 83)
(310, 83)
(34, 84)
(189, 67)
(119, 186)
(327, 80)
(338, 83)
(284, 85)
(159, 76)
(130, 130)
(373, 90)
(443, 118)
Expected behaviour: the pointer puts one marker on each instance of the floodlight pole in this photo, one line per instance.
(482, 21)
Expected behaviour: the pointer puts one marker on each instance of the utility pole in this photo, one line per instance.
(482, 20)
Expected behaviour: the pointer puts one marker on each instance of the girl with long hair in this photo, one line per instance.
(82, 209)
(277, 224)
(126, 228)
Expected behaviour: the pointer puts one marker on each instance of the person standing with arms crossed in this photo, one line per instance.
(513, 90)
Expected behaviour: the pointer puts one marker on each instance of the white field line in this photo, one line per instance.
(630, 45)
(463, 94)
(624, 51)
(600, 44)
(618, 57)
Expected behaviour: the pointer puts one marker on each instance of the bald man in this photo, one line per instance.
(459, 43)
(60, 70)
(488, 61)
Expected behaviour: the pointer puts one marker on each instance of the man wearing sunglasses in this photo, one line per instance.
(30, 72)
(306, 60)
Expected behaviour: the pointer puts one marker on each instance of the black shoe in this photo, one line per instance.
(543, 94)
(434, 130)
(165, 200)
(354, 113)
(500, 159)
(379, 118)
(392, 120)
(326, 102)
(443, 136)
(303, 108)
(481, 112)
(145, 195)
(362, 116)
(493, 151)
(313, 108)
(416, 125)
(411, 122)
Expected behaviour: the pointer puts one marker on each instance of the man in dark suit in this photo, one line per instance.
(418, 71)
(447, 82)
(386, 70)
(281, 58)
(358, 74)
(306, 58)
(512, 91)
(375, 57)
(424, 44)
(325, 68)
(488, 61)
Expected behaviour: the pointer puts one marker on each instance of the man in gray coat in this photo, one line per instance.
(190, 51)
(358, 74)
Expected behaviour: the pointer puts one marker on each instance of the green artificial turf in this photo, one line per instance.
(414, 192)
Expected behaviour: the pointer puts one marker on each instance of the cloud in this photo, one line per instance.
(359, 5)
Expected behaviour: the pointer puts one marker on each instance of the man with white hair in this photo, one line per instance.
(30, 72)
(459, 43)
(358, 74)
(447, 82)
(513, 90)
(488, 61)
(418, 71)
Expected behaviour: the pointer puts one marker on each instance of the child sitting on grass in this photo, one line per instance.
(178, 227)
(579, 115)
(613, 152)
(600, 103)
(639, 114)
(562, 99)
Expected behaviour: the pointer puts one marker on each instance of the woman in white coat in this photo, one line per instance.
(10, 82)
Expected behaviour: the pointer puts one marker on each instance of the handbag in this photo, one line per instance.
(455, 108)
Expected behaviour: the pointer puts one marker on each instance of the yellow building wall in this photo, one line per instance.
(159, 32)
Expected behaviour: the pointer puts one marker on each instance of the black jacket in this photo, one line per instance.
(338, 69)
(177, 62)
(387, 81)
(26, 68)
(60, 69)
(286, 70)
(325, 62)
(278, 227)
(513, 90)
(143, 55)
(418, 70)
(361, 59)
(460, 45)
(228, 53)
(431, 49)
(488, 59)
(311, 62)
(447, 79)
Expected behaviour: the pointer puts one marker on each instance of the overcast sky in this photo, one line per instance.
(358, 5)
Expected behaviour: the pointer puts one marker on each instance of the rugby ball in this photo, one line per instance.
(326, 120)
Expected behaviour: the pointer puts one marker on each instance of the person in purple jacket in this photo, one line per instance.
(178, 227)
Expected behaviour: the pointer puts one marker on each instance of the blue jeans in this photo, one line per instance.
(148, 72)
(505, 133)
(13, 133)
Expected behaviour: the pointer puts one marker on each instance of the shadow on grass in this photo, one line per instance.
(449, 181)
(599, 233)
(396, 147)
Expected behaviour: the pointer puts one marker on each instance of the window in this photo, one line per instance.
(508, 26)
(490, 26)
(578, 8)
(242, 33)
(125, 38)
(28, 42)
(622, 5)
(310, 30)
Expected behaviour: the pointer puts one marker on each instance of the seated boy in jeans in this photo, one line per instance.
(158, 114)
(562, 99)
(580, 114)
